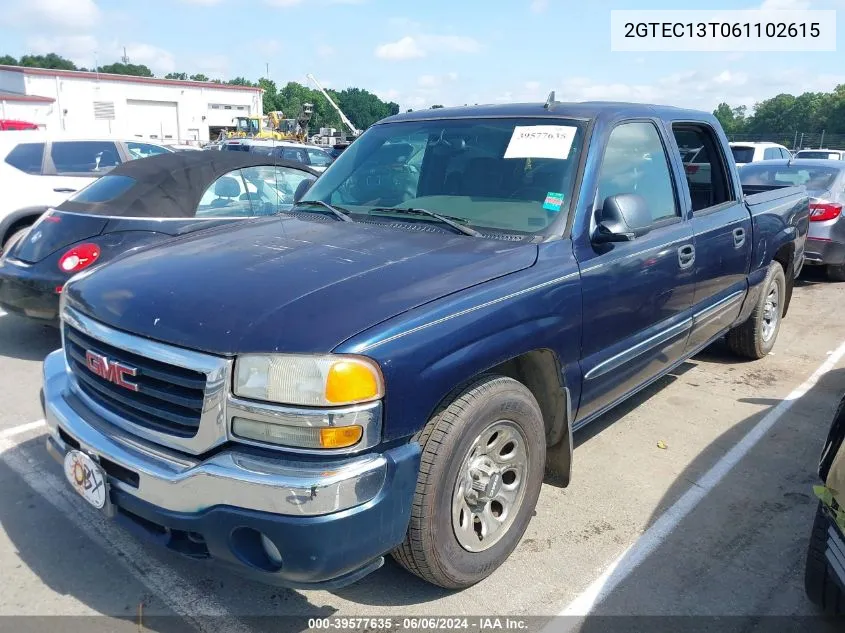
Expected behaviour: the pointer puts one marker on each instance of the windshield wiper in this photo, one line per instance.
(336, 211)
(440, 218)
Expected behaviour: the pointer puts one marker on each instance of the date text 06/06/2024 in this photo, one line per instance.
(424, 623)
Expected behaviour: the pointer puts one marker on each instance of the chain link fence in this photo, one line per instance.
(794, 140)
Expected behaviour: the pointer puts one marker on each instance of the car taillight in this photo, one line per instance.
(691, 169)
(79, 257)
(821, 211)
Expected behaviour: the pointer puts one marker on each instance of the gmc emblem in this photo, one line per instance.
(112, 371)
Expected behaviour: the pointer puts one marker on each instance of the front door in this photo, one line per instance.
(637, 295)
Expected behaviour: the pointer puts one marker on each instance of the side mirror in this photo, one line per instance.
(301, 189)
(623, 218)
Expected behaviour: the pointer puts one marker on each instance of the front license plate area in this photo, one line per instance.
(88, 479)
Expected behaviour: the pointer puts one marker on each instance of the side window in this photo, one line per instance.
(142, 150)
(226, 197)
(707, 176)
(771, 153)
(635, 162)
(27, 157)
(270, 189)
(319, 158)
(83, 157)
(294, 154)
(784, 153)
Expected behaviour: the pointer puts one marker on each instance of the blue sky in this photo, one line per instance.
(448, 52)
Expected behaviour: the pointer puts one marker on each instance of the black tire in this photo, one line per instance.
(747, 339)
(835, 272)
(431, 549)
(14, 238)
(819, 579)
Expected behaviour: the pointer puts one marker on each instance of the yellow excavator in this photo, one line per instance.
(272, 126)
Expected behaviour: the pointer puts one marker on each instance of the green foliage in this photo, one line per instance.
(199, 77)
(51, 60)
(810, 112)
(241, 81)
(8, 60)
(181, 76)
(119, 68)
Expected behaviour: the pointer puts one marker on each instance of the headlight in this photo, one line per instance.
(310, 381)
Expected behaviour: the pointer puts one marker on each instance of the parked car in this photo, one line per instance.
(391, 365)
(43, 169)
(12, 124)
(136, 204)
(824, 154)
(824, 572)
(744, 153)
(825, 183)
(314, 157)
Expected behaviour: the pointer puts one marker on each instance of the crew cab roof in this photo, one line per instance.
(584, 110)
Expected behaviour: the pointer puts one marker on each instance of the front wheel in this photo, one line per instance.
(481, 470)
(756, 337)
(835, 272)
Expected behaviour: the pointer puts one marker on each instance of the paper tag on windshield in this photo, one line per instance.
(541, 141)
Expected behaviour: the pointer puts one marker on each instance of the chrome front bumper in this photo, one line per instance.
(184, 483)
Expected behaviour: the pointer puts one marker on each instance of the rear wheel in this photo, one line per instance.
(819, 581)
(756, 337)
(14, 238)
(482, 467)
(835, 272)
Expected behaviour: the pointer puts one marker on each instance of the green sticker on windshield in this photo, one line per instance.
(553, 202)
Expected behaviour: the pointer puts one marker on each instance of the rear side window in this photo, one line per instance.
(104, 189)
(771, 153)
(706, 174)
(27, 157)
(83, 157)
(743, 154)
(294, 154)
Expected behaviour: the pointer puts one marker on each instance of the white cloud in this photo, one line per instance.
(452, 76)
(405, 48)
(324, 50)
(283, 3)
(85, 50)
(428, 81)
(208, 3)
(539, 6)
(267, 48)
(215, 66)
(69, 15)
(416, 46)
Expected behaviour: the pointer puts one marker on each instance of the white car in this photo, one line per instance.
(45, 169)
(824, 154)
(745, 153)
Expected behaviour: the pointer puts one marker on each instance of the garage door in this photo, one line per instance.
(155, 120)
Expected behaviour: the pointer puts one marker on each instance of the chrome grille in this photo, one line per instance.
(169, 398)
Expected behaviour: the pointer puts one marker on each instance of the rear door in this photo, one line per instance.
(722, 226)
(23, 165)
(71, 165)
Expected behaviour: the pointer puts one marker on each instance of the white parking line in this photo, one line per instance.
(23, 428)
(176, 591)
(622, 567)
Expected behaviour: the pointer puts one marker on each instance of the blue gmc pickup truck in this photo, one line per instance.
(395, 365)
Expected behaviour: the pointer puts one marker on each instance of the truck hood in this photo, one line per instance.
(285, 285)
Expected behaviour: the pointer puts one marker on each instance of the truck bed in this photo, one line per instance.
(759, 194)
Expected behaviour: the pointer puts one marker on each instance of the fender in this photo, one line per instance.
(20, 219)
(428, 352)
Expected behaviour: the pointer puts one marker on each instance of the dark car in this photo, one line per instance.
(138, 203)
(824, 575)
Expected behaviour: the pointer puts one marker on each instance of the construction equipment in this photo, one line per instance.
(355, 131)
(272, 126)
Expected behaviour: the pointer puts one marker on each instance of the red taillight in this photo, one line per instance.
(691, 169)
(821, 211)
(79, 257)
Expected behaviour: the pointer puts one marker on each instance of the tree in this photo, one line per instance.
(270, 94)
(732, 119)
(51, 60)
(199, 77)
(241, 81)
(182, 76)
(8, 60)
(119, 68)
(435, 107)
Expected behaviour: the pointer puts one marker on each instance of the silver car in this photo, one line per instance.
(825, 183)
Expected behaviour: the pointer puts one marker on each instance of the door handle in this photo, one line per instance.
(739, 237)
(64, 190)
(686, 256)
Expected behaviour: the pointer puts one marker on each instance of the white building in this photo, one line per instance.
(164, 110)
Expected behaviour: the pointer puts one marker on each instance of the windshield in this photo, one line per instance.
(743, 154)
(822, 155)
(511, 175)
(814, 178)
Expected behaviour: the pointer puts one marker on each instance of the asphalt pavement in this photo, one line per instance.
(694, 498)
